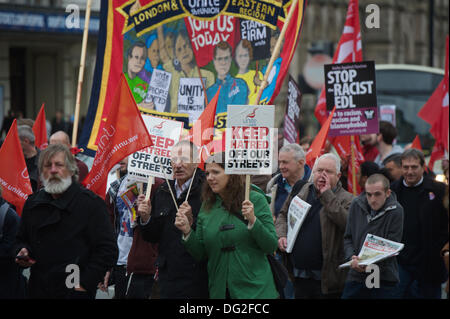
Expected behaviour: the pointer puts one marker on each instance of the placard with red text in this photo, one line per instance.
(249, 139)
(155, 160)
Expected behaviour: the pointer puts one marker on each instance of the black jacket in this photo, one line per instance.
(73, 229)
(433, 222)
(12, 282)
(180, 276)
(387, 223)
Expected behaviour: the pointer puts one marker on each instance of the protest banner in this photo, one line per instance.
(186, 35)
(155, 160)
(249, 141)
(298, 209)
(351, 88)
(292, 116)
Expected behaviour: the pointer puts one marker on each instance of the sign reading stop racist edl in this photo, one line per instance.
(249, 139)
(351, 88)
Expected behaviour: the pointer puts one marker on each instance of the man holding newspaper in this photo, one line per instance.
(374, 230)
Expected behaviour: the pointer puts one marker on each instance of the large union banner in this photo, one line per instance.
(176, 53)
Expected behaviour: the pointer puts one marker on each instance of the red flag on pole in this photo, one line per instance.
(14, 177)
(416, 143)
(40, 130)
(319, 141)
(435, 112)
(349, 49)
(124, 133)
(202, 132)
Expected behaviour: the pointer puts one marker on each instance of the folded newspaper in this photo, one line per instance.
(376, 249)
(296, 215)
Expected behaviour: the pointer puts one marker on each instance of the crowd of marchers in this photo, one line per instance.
(197, 236)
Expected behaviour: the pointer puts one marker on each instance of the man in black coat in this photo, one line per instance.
(65, 234)
(12, 281)
(180, 276)
(425, 230)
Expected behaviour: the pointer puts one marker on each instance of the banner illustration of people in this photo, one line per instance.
(175, 54)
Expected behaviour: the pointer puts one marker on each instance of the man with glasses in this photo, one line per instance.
(318, 248)
(180, 276)
(233, 90)
(425, 229)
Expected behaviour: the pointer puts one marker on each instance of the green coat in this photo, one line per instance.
(245, 270)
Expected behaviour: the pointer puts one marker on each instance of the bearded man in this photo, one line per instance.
(65, 235)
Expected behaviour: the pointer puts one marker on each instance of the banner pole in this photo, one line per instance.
(352, 145)
(276, 50)
(81, 72)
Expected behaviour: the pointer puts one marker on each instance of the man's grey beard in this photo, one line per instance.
(56, 187)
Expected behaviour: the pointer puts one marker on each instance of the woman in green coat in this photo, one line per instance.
(236, 252)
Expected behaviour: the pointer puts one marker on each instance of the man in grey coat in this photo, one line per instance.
(375, 212)
(319, 249)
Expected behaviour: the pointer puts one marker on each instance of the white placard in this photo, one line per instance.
(191, 97)
(158, 90)
(155, 160)
(249, 139)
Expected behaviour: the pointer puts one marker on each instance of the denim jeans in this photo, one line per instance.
(358, 290)
(288, 291)
(413, 288)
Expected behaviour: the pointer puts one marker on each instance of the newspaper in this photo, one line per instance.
(298, 209)
(376, 249)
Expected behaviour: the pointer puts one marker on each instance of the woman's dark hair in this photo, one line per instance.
(234, 192)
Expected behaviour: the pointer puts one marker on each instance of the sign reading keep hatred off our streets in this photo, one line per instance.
(351, 88)
(249, 139)
(155, 160)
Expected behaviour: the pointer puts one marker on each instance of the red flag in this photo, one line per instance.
(343, 146)
(202, 132)
(40, 130)
(14, 177)
(349, 50)
(435, 112)
(416, 143)
(124, 133)
(437, 153)
(319, 141)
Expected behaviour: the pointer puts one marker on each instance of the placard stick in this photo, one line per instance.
(170, 189)
(140, 187)
(149, 187)
(81, 72)
(190, 185)
(352, 145)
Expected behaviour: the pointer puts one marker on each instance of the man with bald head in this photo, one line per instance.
(61, 137)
